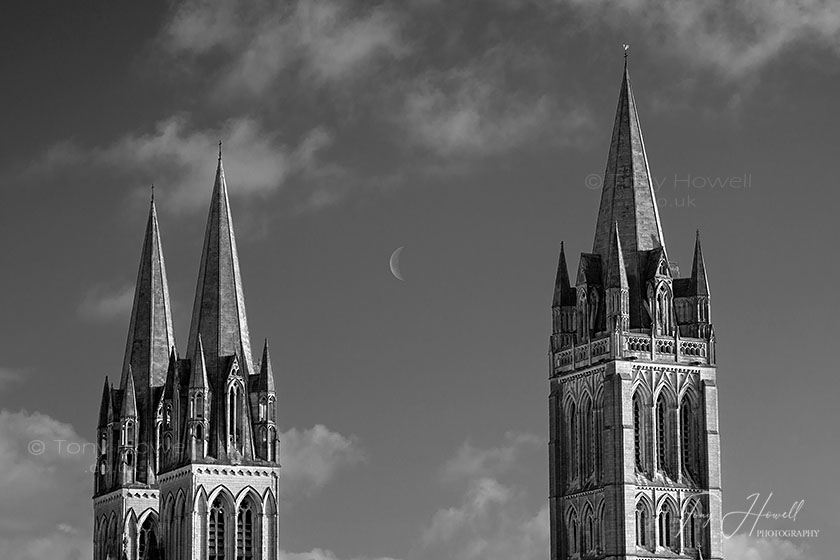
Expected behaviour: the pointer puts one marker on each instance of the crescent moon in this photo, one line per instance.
(395, 264)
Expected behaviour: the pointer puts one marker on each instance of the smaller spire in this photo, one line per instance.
(562, 286)
(129, 403)
(699, 282)
(198, 376)
(171, 376)
(105, 406)
(616, 273)
(265, 383)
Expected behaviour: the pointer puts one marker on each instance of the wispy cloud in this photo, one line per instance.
(318, 554)
(745, 547)
(311, 457)
(471, 461)
(329, 41)
(476, 109)
(181, 159)
(734, 37)
(8, 376)
(103, 303)
(43, 481)
(494, 520)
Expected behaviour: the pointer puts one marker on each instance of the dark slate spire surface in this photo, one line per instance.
(628, 199)
(198, 375)
(150, 333)
(105, 404)
(129, 397)
(219, 308)
(699, 282)
(616, 272)
(563, 293)
(265, 382)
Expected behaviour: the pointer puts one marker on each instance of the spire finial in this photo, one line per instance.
(153, 193)
(220, 150)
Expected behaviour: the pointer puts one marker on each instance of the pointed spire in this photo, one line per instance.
(219, 309)
(628, 199)
(105, 404)
(198, 376)
(266, 379)
(150, 332)
(628, 196)
(699, 282)
(562, 287)
(616, 273)
(129, 402)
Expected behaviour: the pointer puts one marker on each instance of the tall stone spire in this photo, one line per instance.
(150, 333)
(151, 336)
(219, 308)
(628, 199)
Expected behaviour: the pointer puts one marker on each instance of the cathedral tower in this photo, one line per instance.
(187, 466)
(634, 451)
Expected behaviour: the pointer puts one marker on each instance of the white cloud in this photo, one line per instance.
(476, 109)
(736, 37)
(46, 484)
(330, 40)
(493, 521)
(472, 461)
(745, 547)
(316, 554)
(181, 159)
(107, 304)
(310, 458)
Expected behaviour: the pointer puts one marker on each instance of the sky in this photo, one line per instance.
(473, 134)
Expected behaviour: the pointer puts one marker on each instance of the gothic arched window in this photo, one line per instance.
(666, 517)
(245, 532)
(587, 443)
(216, 532)
(662, 433)
(640, 433)
(688, 436)
(573, 441)
(147, 547)
(599, 428)
(693, 523)
(271, 444)
(270, 408)
(589, 541)
(573, 533)
(642, 524)
(128, 434)
(198, 406)
(235, 411)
